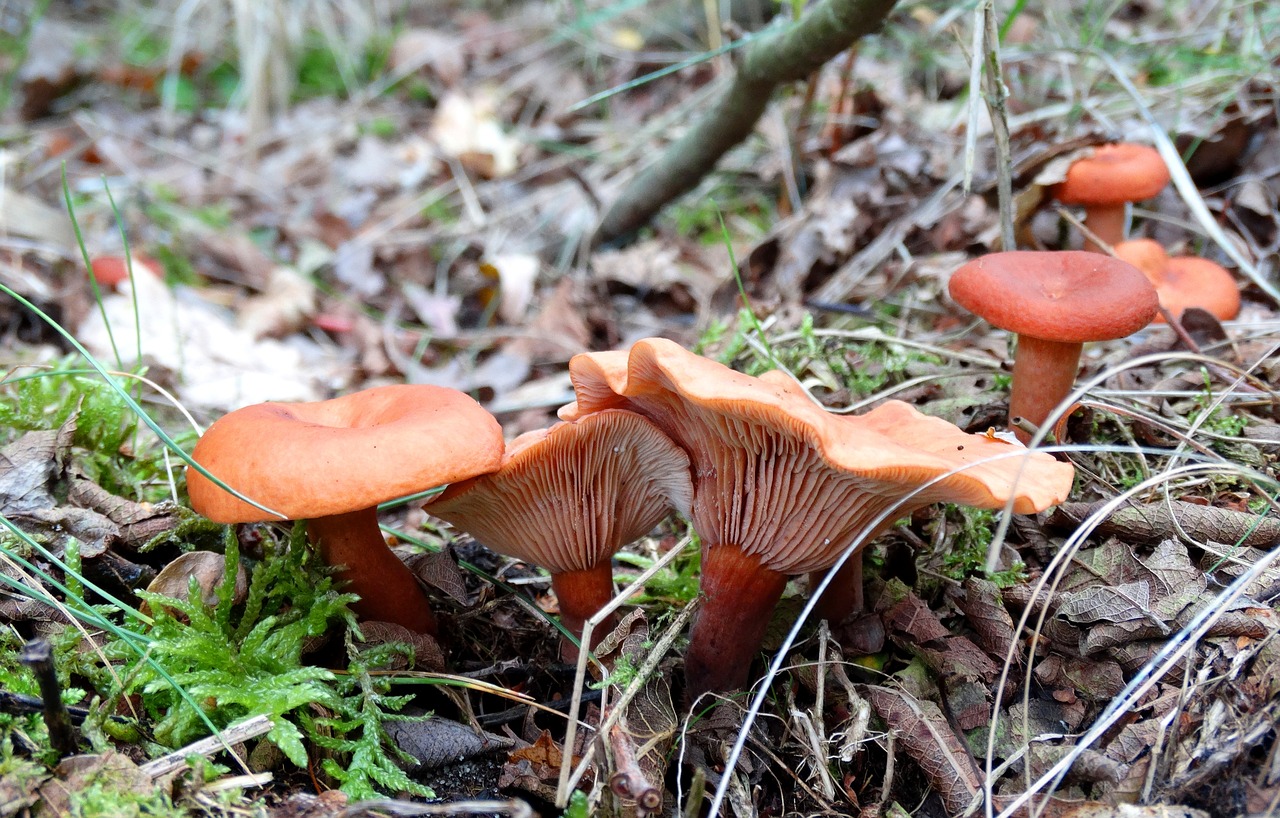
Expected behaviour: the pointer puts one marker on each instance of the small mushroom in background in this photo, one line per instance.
(1107, 182)
(1055, 301)
(568, 497)
(782, 487)
(332, 462)
(1183, 281)
(111, 271)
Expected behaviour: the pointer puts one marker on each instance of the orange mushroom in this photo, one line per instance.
(1055, 301)
(782, 487)
(1104, 183)
(1183, 281)
(332, 462)
(567, 498)
(111, 271)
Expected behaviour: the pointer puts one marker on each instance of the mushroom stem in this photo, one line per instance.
(843, 597)
(739, 597)
(1107, 223)
(1043, 374)
(388, 590)
(581, 595)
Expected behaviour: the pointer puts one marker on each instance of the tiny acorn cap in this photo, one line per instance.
(1069, 296)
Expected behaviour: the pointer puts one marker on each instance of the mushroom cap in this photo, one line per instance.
(1147, 255)
(568, 497)
(1113, 175)
(112, 271)
(1068, 296)
(1183, 281)
(308, 460)
(788, 482)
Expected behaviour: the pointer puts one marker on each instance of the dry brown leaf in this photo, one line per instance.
(440, 570)
(110, 771)
(992, 625)
(285, 306)
(1094, 679)
(208, 568)
(1135, 811)
(906, 615)
(28, 464)
(1159, 521)
(466, 128)
(517, 273)
(425, 48)
(922, 731)
(436, 741)
(558, 331)
(427, 655)
(138, 523)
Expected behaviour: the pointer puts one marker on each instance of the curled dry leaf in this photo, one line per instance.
(425, 48)
(906, 615)
(138, 522)
(536, 768)
(923, 732)
(643, 736)
(1094, 679)
(435, 742)
(1159, 521)
(286, 305)
(110, 772)
(466, 128)
(208, 568)
(993, 627)
(28, 464)
(1134, 811)
(440, 570)
(517, 273)
(427, 655)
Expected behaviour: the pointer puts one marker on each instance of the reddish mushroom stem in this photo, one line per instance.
(581, 594)
(1107, 223)
(843, 597)
(739, 597)
(1043, 374)
(388, 590)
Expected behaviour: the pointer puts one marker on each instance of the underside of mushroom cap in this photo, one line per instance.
(309, 460)
(790, 483)
(1068, 296)
(568, 497)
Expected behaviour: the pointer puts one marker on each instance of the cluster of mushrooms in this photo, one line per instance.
(1105, 184)
(774, 485)
(1055, 301)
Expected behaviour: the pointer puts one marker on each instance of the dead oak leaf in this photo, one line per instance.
(29, 464)
(543, 752)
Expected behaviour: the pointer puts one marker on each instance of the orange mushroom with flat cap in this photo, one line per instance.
(1183, 281)
(1055, 301)
(568, 497)
(1107, 181)
(332, 462)
(782, 487)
